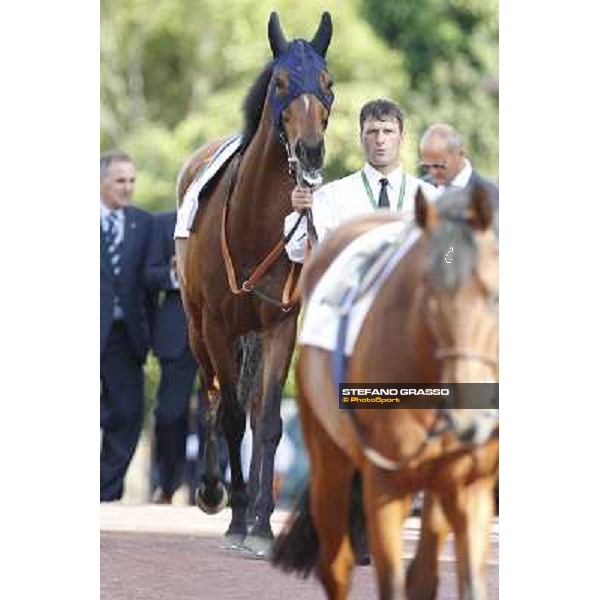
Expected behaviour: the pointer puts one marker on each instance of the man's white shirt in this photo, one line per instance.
(348, 197)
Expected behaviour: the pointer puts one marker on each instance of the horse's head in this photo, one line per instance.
(460, 284)
(300, 95)
(460, 297)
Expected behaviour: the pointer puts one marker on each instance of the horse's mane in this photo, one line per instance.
(453, 231)
(254, 103)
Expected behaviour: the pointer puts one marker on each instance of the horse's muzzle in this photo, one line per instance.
(473, 426)
(310, 156)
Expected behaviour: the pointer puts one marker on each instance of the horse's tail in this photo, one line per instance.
(296, 548)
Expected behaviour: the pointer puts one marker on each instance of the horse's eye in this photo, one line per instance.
(279, 86)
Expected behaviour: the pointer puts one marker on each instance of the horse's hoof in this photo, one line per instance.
(259, 547)
(234, 541)
(213, 501)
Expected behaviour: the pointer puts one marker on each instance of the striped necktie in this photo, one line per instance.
(113, 243)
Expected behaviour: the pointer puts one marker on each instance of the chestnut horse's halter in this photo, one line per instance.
(303, 65)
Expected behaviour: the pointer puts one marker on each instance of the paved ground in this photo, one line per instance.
(177, 553)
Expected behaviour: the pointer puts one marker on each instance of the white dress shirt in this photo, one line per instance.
(348, 197)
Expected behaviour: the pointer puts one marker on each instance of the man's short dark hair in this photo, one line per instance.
(381, 110)
(107, 158)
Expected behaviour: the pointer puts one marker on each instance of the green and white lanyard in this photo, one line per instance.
(370, 191)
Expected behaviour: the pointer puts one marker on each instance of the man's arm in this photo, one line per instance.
(318, 201)
(296, 247)
(158, 272)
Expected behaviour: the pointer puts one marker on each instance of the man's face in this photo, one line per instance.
(117, 186)
(381, 142)
(441, 163)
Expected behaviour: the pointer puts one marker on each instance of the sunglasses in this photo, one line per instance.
(428, 166)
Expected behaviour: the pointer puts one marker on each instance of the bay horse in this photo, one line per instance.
(237, 237)
(431, 322)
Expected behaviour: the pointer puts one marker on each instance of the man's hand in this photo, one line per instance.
(301, 198)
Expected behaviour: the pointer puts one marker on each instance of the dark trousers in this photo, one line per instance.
(121, 410)
(171, 419)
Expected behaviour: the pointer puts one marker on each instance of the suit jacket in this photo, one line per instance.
(490, 186)
(136, 301)
(169, 330)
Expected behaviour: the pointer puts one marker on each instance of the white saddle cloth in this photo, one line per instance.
(384, 247)
(187, 211)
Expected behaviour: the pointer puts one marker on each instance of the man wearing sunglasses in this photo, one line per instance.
(445, 162)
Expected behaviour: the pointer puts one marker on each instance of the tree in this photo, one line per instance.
(174, 75)
(450, 53)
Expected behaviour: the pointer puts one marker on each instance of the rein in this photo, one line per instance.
(441, 424)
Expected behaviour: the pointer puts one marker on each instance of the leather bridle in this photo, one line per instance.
(291, 293)
(458, 353)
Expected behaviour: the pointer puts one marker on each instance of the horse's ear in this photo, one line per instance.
(276, 36)
(481, 210)
(425, 212)
(323, 36)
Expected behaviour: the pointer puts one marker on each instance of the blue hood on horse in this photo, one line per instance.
(303, 65)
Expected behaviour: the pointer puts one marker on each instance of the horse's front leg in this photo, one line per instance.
(232, 418)
(470, 510)
(422, 578)
(254, 473)
(386, 510)
(278, 346)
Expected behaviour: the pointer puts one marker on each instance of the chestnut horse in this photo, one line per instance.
(431, 322)
(237, 237)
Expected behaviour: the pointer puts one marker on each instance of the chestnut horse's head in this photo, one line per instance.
(300, 96)
(460, 295)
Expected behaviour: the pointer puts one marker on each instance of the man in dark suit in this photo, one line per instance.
(124, 320)
(444, 158)
(178, 366)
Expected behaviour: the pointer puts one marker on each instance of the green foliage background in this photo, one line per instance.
(174, 74)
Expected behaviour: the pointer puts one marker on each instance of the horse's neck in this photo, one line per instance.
(418, 342)
(421, 341)
(262, 193)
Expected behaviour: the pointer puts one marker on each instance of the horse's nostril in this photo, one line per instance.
(468, 435)
(310, 155)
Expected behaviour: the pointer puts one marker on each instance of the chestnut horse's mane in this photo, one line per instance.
(254, 103)
(455, 232)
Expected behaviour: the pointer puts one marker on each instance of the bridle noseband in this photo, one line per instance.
(444, 354)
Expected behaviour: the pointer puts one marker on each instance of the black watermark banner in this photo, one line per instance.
(418, 395)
